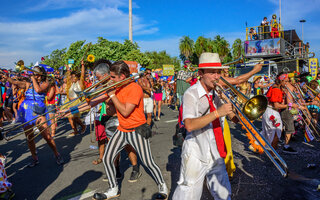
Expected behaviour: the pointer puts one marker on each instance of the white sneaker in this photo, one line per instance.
(13, 121)
(3, 160)
(163, 192)
(36, 130)
(110, 194)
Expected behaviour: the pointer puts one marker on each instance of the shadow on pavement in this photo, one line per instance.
(79, 184)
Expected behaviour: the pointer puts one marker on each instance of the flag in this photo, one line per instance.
(308, 135)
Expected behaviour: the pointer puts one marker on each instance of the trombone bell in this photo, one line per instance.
(255, 107)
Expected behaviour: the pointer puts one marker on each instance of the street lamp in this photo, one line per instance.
(302, 21)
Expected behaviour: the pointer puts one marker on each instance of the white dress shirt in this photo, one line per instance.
(195, 104)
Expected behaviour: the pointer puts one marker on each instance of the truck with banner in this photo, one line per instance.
(272, 43)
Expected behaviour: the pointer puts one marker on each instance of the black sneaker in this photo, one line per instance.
(33, 163)
(134, 176)
(289, 150)
(59, 160)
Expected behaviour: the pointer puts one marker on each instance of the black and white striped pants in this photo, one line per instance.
(141, 145)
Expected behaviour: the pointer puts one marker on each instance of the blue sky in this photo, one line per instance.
(30, 29)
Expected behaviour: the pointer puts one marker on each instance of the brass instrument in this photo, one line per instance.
(239, 60)
(88, 96)
(309, 122)
(20, 67)
(314, 92)
(80, 95)
(252, 109)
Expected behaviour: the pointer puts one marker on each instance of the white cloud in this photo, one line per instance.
(62, 4)
(293, 11)
(49, 34)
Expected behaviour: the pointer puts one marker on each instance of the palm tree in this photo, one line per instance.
(186, 47)
(222, 47)
(201, 45)
(237, 49)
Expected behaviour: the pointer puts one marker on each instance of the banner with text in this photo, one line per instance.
(168, 70)
(313, 67)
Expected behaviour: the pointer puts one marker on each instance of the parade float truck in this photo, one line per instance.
(272, 44)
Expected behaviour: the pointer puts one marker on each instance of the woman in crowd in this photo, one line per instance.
(51, 105)
(157, 94)
(75, 83)
(33, 106)
(258, 86)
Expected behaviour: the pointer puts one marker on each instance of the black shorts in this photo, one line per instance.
(287, 119)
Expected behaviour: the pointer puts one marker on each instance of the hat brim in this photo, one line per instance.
(210, 67)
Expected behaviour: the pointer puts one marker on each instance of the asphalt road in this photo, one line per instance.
(255, 178)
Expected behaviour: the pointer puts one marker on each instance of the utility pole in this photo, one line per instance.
(130, 20)
(302, 21)
(280, 12)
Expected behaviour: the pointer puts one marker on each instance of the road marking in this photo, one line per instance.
(174, 120)
(83, 195)
(80, 195)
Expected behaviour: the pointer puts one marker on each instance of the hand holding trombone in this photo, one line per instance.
(247, 110)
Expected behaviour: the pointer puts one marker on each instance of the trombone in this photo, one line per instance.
(20, 67)
(65, 104)
(89, 96)
(306, 114)
(252, 109)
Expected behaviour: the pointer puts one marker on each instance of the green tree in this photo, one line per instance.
(138, 56)
(237, 49)
(222, 47)
(56, 59)
(158, 59)
(201, 45)
(186, 48)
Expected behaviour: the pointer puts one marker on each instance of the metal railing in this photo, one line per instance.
(263, 32)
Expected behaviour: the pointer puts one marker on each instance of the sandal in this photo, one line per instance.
(97, 162)
(83, 129)
(72, 134)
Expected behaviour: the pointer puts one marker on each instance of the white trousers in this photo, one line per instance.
(192, 174)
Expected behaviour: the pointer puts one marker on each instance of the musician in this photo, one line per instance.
(105, 130)
(106, 124)
(146, 84)
(204, 150)
(285, 106)
(75, 83)
(35, 95)
(128, 101)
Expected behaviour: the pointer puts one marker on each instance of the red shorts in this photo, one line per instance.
(100, 131)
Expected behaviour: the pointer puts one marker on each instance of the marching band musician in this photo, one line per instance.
(128, 101)
(35, 96)
(204, 148)
(280, 99)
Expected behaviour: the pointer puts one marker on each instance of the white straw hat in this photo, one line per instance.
(210, 61)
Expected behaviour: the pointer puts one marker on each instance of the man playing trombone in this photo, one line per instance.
(204, 149)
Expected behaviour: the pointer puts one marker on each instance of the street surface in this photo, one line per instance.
(255, 178)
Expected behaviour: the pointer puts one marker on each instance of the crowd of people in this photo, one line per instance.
(266, 30)
(123, 109)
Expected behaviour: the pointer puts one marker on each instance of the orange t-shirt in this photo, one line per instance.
(131, 93)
